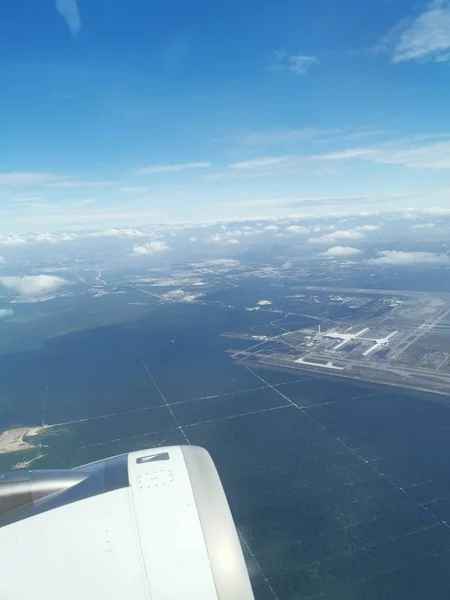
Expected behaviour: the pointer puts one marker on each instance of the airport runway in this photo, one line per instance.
(397, 376)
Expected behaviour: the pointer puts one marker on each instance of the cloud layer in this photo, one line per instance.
(26, 178)
(425, 37)
(299, 229)
(341, 251)
(334, 236)
(126, 233)
(174, 168)
(423, 151)
(401, 258)
(298, 64)
(6, 312)
(34, 285)
(150, 248)
(68, 9)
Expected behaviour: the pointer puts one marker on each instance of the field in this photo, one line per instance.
(339, 490)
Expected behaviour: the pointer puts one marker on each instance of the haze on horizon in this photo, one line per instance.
(116, 114)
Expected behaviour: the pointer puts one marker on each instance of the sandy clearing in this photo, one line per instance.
(12, 440)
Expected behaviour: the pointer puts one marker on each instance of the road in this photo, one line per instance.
(99, 277)
(419, 332)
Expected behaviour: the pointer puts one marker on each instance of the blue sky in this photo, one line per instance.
(116, 113)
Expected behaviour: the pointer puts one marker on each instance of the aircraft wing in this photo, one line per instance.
(149, 525)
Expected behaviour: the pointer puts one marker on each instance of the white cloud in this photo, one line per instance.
(258, 163)
(423, 226)
(99, 214)
(216, 238)
(6, 312)
(367, 228)
(298, 64)
(345, 154)
(34, 285)
(432, 155)
(53, 238)
(174, 168)
(225, 238)
(73, 184)
(437, 210)
(270, 203)
(334, 236)
(264, 138)
(404, 217)
(399, 257)
(416, 152)
(220, 175)
(133, 189)
(341, 251)
(2, 260)
(12, 240)
(378, 203)
(268, 166)
(128, 232)
(18, 179)
(425, 37)
(68, 236)
(150, 248)
(223, 262)
(271, 228)
(68, 9)
(309, 134)
(193, 239)
(297, 229)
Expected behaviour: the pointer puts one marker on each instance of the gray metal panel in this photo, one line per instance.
(24, 494)
(46, 483)
(225, 553)
(116, 473)
(21, 488)
(15, 490)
